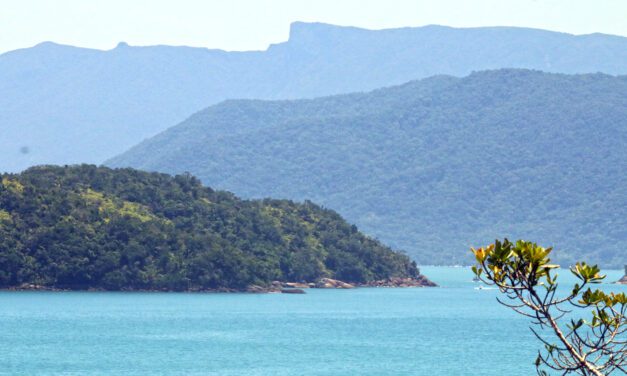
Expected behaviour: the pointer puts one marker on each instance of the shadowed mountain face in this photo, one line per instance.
(432, 166)
(61, 104)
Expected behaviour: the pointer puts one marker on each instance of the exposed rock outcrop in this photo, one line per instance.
(292, 291)
(328, 283)
(297, 285)
(420, 281)
(257, 289)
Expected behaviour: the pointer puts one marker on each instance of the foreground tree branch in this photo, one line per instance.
(592, 345)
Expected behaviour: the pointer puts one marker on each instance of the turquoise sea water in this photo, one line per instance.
(451, 330)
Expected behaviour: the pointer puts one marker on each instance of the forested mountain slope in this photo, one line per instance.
(432, 166)
(62, 104)
(87, 227)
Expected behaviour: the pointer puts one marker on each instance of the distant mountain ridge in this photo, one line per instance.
(62, 104)
(432, 166)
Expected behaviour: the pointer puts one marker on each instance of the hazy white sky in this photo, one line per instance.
(253, 24)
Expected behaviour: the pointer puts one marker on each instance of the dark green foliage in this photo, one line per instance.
(431, 166)
(84, 226)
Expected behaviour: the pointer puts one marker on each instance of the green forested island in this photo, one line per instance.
(84, 227)
(433, 166)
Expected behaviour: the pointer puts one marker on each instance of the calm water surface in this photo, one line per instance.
(451, 330)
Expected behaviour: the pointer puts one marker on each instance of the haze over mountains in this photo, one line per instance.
(61, 104)
(432, 166)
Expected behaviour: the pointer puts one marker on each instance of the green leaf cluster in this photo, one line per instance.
(594, 345)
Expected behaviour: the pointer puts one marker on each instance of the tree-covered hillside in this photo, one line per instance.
(432, 166)
(88, 227)
(62, 104)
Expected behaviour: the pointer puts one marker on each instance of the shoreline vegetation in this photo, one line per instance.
(274, 287)
(86, 227)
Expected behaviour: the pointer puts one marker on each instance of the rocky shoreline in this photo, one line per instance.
(623, 281)
(34, 287)
(421, 281)
(274, 287)
(329, 283)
